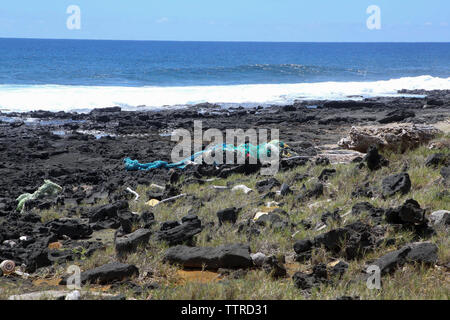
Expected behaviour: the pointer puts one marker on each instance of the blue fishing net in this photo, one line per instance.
(249, 150)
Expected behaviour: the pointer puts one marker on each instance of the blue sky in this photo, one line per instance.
(231, 20)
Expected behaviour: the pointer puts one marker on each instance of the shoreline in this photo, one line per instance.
(82, 98)
(59, 134)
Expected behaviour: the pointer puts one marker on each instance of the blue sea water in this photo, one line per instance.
(68, 74)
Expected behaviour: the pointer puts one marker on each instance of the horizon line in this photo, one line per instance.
(225, 41)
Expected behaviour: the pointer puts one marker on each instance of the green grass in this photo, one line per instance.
(409, 282)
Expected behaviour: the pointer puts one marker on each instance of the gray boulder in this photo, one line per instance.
(423, 252)
(392, 260)
(420, 252)
(441, 217)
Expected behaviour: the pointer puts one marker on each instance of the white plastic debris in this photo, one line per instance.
(272, 204)
(346, 214)
(74, 295)
(23, 238)
(318, 204)
(135, 194)
(220, 188)
(157, 186)
(22, 274)
(47, 295)
(259, 215)
(295, 233)
(173, 198)
(242, 188)
(9, 243)
(54, 294)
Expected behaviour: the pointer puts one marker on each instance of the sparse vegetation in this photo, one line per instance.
(409, 282)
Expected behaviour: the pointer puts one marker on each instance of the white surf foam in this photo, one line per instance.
(66, 98)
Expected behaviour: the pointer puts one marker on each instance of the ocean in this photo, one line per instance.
(78, 75)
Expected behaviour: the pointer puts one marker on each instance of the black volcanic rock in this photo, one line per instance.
(315, 192)
(445, 173)
(190, 226)
(108, 273)
(397, 183)
(228, 256)
(107, 216)
(129, 243)
(273, 267)
(301, 246)
(374, 160)
(437, 159)
(73, 228)
(356, 238)
(266, 185)
(326, 174)
(409, 212)
(397, 116)
(227, 215)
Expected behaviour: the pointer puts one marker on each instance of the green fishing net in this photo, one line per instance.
(48, 189)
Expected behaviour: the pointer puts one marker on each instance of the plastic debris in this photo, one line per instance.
(272, 204)
(157, 186)
(55, 295)
(318, 204)
(220, 188)
(134, 193)
(242, 188)
(22, 274)
(249, 151)
(152, 202)
(295, 233)
(8, 266)
(259, 215)
(48, 189)
(9, 243)
(23, 238)
(173, 198)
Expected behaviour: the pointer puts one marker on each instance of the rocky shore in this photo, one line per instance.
(102, 221)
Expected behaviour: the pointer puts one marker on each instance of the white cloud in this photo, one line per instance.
(428, 23)
(162, 20)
